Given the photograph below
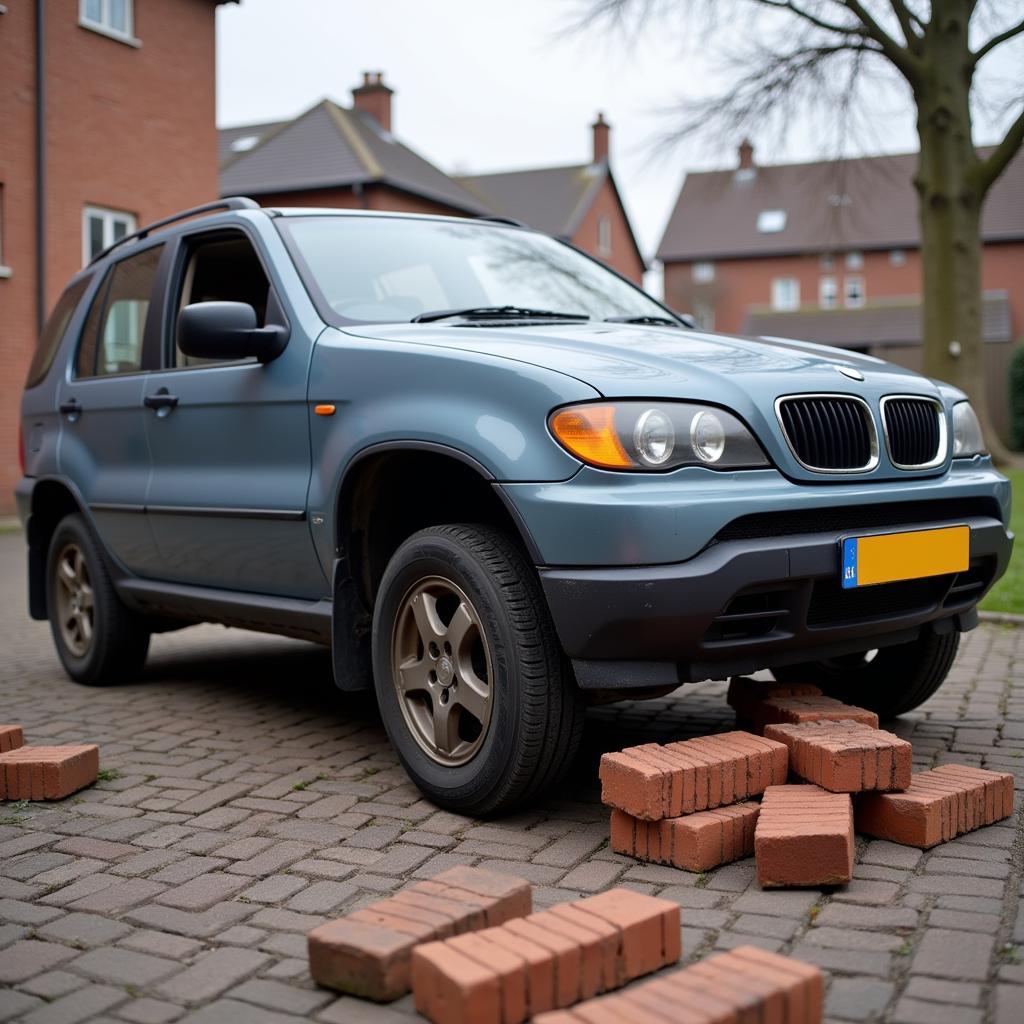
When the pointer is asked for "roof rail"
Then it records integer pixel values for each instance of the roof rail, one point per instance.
(501, 220)
(231, 203)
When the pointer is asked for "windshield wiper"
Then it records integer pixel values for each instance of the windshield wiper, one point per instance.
(663, 321)
(496, 313)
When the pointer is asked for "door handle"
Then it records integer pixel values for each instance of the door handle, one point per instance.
(161, 400)
(70, 407)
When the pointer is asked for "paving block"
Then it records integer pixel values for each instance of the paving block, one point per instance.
(939, 805)
(693, 842)
(544, 961)
(368, 952)
(804, 837)
(47, 773)
(798, 708)
(746, 984)
(845, 756)
(655, 781)
(11, 737)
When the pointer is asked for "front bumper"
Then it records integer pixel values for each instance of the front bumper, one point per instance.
(745, 604)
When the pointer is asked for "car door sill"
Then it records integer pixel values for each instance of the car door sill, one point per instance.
(267, 613)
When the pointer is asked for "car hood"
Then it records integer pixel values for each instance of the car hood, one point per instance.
(626, 360)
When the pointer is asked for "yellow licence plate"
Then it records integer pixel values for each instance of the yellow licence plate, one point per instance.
(890, 557)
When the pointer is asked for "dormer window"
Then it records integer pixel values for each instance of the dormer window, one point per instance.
(244, 143)
(770, 222)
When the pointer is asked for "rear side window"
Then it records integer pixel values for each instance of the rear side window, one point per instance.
(54, 331)
(114, 330)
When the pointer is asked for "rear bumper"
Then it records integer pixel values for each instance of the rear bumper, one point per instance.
(746, 604)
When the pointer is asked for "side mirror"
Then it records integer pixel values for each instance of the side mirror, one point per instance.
(227, 331)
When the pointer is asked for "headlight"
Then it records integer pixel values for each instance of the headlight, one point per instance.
(653, 436)
(967, 439)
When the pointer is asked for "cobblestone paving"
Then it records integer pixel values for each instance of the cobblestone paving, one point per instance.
(244, 801)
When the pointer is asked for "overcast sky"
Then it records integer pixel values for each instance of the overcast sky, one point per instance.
(482, 85)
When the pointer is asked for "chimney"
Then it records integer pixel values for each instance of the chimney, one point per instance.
(602, 129)
(373, 97)
(746, 151)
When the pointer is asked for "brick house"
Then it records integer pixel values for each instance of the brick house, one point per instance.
(830, 252)
(349, 157)
(96, 139)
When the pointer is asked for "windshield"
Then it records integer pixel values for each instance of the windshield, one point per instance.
(391, 269)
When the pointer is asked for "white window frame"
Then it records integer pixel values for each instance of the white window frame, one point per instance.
(897, 257)
(828, 292)
(604, 235)
(703, 272)
(771, 222)
(109, 218)
(104, 26)
(828, 261)
(785, 293)
(854, 301)
(854, 260)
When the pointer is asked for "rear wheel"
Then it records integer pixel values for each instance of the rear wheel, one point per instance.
(472, 684)
(98, 639)
(888, 681)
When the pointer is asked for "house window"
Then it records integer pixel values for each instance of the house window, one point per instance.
(604, 236)
(854, 260)
(5, 271)
(828, 261)
(244, 144)
(770, 222)
(897, 257)
(111, 17)
(101, 228)
(853, 292)
(785, 293)
(828, 293)
(703, 272)
(704, 315)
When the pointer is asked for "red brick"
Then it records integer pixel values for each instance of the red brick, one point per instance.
(654, 781)
(804, 837)
(369, 952)
(47, 773)
(939, 805)
(694, 842)
(744, 986)
(744, 692)
(846, 756)
(546, 961)
(810, 708)
(11, 737)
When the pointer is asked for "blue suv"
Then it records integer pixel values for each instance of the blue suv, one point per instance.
(495, 477)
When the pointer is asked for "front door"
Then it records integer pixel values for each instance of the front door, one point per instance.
(230, 441)
(103, 448)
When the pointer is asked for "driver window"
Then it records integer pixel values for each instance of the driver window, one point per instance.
(222, 268)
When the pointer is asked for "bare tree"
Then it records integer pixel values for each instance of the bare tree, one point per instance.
(802, 56)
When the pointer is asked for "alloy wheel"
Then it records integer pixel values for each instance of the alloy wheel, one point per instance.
(74, 599)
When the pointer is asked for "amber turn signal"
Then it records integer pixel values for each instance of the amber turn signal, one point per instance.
(324, 410)
(588, 431)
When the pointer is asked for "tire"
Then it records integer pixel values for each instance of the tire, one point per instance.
(471, 588)
(896, 680)
(100, 642)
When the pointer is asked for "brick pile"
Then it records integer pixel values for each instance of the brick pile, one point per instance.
(43, 773)
(745, 984)
(821, 769)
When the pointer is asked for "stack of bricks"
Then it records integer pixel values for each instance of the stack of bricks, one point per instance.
(758, 705)
(43, 773)
(745, 984)
(688, 803)
(545, 961)
(368, 953)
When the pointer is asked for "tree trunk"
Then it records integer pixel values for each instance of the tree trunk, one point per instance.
(949, 209)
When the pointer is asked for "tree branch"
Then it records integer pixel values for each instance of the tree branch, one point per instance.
(1013, 30)
(905, 18)
(988, 170)
(811, 18)
(904, 61)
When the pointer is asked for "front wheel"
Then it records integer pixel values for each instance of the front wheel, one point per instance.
(889, 681)
(98, 639)
(473, 687)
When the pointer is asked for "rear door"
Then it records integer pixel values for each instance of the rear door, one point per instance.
(230, 441)
(103, 448)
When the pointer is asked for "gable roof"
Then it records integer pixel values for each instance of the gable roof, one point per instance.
(331, 146)
(861, 203)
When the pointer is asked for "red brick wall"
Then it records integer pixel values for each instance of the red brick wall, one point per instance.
(741, 284)
(130, 128)
(373, 197)
(623, 256)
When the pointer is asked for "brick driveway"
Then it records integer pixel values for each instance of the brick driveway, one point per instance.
(250, 800)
